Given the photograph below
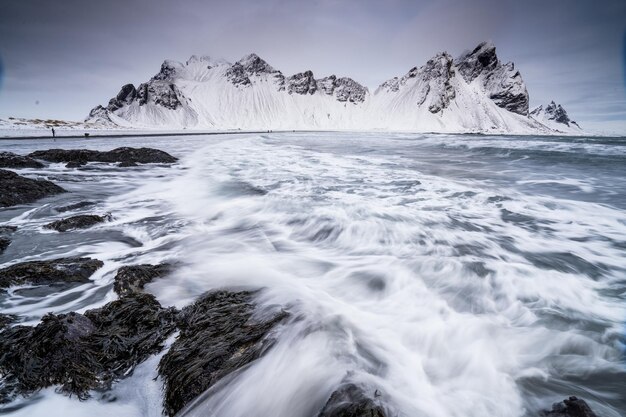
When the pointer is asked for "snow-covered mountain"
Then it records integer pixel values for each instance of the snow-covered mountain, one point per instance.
(472, 93)
(554, 116)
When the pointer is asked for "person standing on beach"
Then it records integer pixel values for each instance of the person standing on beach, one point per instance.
(53, 133)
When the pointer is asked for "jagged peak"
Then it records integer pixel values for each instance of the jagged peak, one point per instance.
(254, 64)
(207, 59)
(482, 58)
(168, 70)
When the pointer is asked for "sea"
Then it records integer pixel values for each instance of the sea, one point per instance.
(457, 275)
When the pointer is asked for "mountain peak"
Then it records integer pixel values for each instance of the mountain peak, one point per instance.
(254, 64)
(553, 112)
(480, 59)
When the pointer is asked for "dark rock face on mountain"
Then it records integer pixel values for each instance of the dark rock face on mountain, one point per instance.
(501, 82)
(432, 82)
(122, 155)
(63, 270)
(82, 221)
(554, 112)
(131, 279)
(11, 160)
(571, 407)
(127, 94)
(237, 75)
(82, 352)
(15, 189)
(350, 400)
(252, 65)
(160, 90)
(301, 83)
(217, 337)
(159, 93)
(346, 89)
(437, 73)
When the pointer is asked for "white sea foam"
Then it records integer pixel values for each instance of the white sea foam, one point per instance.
(453, 292)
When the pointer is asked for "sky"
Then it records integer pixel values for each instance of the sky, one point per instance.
(59, 59)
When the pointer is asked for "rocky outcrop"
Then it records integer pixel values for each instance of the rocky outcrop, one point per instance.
(74, 206)
(217, 336)
(344, 89)
(5, 240)
(15, 189)
(131, 279)
(63, 270)
(6, 320)
(431, 83)
(501, 82)
(80, 352)
(553, 112)
(159, 93)
(571, 407)
(252, 65)
(350, 400)
(82, 221)
(121, 155)
(11, 160)
(301, 83)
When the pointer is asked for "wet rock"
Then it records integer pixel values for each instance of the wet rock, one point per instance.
(127, 164)
(5, 233)
(82, 221)
(80, 352)
(11, 160)
(6, 320)
(63, 270)
(217, 337)
(75, 206)
(350, 400)
(75, 164)
(571, 407)
(4, 243)
(78, 157)
(15, 189)
(132, 279)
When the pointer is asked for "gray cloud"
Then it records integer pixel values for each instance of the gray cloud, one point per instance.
(73, 54)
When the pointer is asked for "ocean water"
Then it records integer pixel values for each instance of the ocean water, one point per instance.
(459, 275)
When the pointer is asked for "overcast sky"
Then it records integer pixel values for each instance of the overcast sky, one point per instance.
(61, 58)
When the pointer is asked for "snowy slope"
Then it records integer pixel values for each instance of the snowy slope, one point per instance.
(472, 93)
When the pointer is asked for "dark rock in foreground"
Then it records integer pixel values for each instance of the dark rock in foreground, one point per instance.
(82, 352)
(82, 221)
(125, 155)
(351, 401)
(75, 206)
(63, 270)
(15, 189)
(132, 279)
(5, 232)
(6, 320)
(217, 337)
(571, 407)
(11, 160)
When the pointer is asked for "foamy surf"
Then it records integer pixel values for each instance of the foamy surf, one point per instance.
(455, 276)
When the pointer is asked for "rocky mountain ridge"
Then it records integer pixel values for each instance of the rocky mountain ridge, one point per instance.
(474, 92)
